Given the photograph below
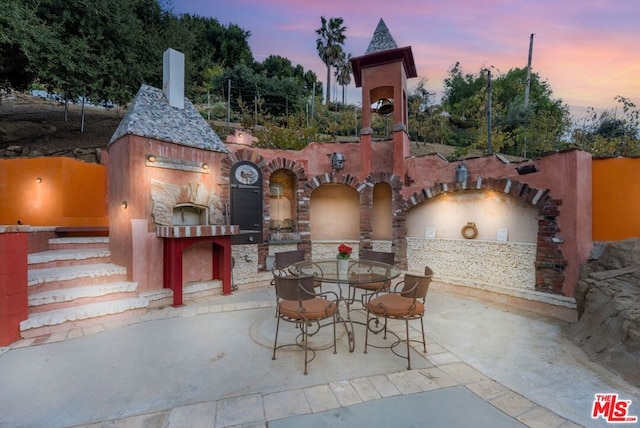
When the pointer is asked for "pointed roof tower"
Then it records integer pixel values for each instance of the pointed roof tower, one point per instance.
(383, 49)
(382, 39)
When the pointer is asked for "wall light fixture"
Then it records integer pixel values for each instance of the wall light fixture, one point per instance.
(337, 160)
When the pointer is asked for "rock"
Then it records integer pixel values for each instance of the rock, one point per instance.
(608, 300)
(13, 151)
(87, 155)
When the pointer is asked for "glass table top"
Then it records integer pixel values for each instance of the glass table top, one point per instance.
(350, 271)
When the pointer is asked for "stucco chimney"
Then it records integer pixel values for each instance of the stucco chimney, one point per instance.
(173, 77)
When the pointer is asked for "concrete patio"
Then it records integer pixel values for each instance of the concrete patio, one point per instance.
(209, 364)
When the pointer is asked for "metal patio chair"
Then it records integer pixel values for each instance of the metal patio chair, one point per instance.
(406, 302)
(378, 256)
(299, 304)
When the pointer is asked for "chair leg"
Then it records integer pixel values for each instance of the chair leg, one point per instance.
(305, 341)
(275, 342)
(366, 332)
(406, 323)
(424, 340)
(335, 321)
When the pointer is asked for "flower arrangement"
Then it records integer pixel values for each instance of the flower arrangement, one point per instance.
(344, 251)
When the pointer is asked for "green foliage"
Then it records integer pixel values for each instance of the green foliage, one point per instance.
(517, 128)
(608, 134)
(292, 134)
(279, 94)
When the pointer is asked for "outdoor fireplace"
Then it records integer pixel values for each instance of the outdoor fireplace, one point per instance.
(190, 215)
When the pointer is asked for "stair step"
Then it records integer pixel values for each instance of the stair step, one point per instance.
(84, 312)
(70, 294)
(69, 276)
(68, 256)
(79, 242)
(190, 291)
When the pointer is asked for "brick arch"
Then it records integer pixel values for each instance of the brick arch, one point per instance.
(333, 178)
(399, 228)
(550, 262)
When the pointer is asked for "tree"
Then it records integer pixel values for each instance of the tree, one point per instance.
(608, 133)
(516, 129)
(343, 72)
(22, 34)
(329, 45)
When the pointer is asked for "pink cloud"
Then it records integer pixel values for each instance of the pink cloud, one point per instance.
(588, 50)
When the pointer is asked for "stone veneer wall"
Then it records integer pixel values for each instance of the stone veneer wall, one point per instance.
(506, 268)
(501, 264)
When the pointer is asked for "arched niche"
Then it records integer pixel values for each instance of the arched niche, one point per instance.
(382, 216)
(335, 213)
(282, 201)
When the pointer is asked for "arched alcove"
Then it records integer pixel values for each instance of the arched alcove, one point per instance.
(335, 213)
(382, 216)
(544, 253)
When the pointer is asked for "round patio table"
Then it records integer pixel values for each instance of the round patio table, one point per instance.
(349, 272)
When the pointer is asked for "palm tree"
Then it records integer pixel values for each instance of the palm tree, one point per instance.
(329, 45)
(343, 72)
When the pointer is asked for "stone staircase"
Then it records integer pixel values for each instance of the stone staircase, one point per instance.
(75, 285)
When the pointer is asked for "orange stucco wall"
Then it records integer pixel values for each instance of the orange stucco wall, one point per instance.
(616, 200)
(52, 191)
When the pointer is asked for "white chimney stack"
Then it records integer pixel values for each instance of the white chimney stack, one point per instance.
(173, 77)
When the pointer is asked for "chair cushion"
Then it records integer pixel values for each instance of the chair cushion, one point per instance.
(372, 286)
(312, 309)
(394, 305)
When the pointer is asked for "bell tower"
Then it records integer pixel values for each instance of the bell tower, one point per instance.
(382, 72)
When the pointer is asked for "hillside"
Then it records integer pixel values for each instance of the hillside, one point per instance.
(38, 126)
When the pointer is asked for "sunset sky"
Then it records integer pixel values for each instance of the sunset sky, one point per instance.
(588, 50)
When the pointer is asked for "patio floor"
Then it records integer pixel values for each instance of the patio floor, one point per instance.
(209, 364)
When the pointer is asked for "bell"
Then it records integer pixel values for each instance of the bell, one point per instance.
(386, 107)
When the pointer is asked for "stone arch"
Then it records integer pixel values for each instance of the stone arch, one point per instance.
(399, 227)
(550, 262)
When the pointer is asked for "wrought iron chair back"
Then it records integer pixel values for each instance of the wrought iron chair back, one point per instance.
(298, 303)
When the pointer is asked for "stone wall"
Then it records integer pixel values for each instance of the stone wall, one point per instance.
(506, 268)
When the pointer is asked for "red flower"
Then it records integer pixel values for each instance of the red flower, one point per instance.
(344, 251)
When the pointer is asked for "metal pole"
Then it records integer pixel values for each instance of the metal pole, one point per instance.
(228, 103)
(489, 147)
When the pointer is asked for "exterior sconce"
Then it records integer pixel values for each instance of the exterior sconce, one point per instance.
(205, 166)
(462, 173)
(39, 180)
(124, 205)
(151, 158)
(337, 161)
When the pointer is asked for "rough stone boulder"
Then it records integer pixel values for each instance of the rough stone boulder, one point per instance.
(608, 300)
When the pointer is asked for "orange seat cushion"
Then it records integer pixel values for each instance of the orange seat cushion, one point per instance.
(312, 309)
(372, 286)
(394, 305)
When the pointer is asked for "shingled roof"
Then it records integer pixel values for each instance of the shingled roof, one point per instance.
(382, 39)
(151, 116)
